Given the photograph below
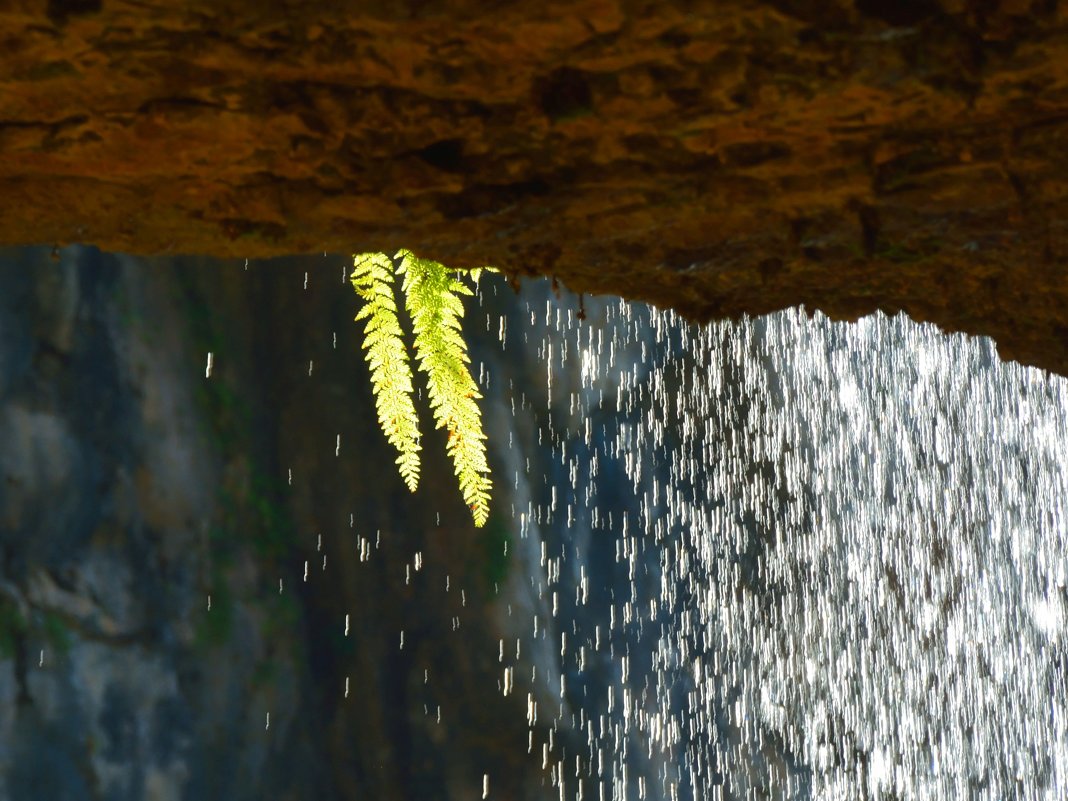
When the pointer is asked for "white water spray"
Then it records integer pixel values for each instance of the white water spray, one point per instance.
(840, 559)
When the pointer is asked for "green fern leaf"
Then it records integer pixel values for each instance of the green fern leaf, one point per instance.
(432, 293)
(387, 358)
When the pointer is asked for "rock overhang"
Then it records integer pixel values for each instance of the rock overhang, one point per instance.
(718, 158)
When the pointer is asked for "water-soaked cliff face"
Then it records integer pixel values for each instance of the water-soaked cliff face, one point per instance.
(217, 587)
(719, 157)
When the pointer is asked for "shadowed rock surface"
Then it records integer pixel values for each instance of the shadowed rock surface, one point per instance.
(720, 158)
(182, 556)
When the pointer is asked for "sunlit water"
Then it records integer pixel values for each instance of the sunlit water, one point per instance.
(837, 557)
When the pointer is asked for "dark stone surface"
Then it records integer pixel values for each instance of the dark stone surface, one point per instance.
(132, 489)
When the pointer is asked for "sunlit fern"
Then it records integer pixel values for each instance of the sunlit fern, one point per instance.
(433, 296)
(391, 372)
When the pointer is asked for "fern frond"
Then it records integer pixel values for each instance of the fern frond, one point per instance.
(476, 272)
(387, 357)
(432, 293)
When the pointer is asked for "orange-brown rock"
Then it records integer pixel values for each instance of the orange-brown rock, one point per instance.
(716, 157)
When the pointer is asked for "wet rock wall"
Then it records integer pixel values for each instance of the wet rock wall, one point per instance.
(205, 582)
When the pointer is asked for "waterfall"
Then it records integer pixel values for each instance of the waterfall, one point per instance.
(797, 558)
(772, 559)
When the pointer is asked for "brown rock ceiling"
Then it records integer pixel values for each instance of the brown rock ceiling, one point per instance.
(716, 157)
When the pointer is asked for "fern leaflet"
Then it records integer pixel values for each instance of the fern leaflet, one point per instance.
(387, 357)
(432, 292)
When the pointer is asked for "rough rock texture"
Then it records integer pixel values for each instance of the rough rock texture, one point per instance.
(717, 157)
